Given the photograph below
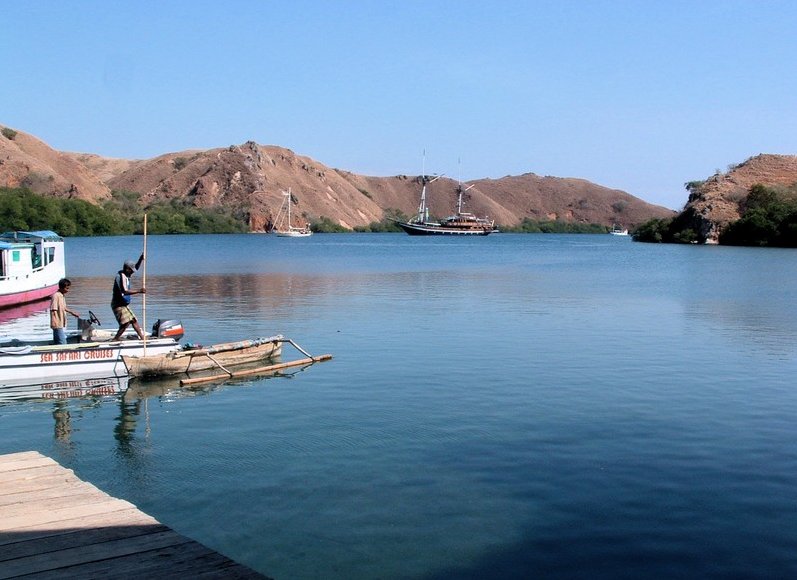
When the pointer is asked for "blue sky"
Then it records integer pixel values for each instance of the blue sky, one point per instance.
(636, 95)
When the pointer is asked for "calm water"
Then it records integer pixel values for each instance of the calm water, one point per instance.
(510, 406)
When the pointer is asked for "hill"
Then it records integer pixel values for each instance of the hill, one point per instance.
(250, 178)
(25, 161)
(721, 199)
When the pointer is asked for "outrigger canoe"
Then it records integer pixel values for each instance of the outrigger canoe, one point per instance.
(190, 359)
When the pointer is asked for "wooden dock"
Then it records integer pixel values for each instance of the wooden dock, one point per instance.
(54, 525)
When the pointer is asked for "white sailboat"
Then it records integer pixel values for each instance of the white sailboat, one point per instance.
(283, 226)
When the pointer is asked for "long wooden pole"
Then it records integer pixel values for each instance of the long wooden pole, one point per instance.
(144, 285)
(257, 371)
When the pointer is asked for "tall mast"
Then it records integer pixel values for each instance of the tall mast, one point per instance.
(288, 200)
(423, 211)
(460, 189)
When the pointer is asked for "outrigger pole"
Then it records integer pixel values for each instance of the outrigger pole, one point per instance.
(260, 370)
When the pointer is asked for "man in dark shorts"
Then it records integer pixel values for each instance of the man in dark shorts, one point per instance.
(120, 303)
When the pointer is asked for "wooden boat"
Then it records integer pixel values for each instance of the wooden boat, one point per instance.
(31, 263)
(459, 224)
(189, 359)
(283, 226)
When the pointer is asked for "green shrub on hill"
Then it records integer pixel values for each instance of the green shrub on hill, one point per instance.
(770, 219)
(324, 225)
(386, 224)
(21, 209)
(529, 226)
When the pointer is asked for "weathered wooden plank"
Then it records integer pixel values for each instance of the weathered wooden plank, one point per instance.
(44, 544)
(90, 553)
(53, 525)
(19, 484)
(33, 473)
(69, 512)
(178, 561)
(12, 461)
(188, 560)
(21, 495)
(53, 504)
(130, 517)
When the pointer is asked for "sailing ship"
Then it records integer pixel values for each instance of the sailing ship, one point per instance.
(283, 226)
(459, 224)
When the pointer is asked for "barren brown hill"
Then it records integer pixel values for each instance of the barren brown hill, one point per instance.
(717, 201)
(250, 179)
(541, 198)
(28, 162)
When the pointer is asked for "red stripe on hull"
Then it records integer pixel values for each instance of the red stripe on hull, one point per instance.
(9, 300)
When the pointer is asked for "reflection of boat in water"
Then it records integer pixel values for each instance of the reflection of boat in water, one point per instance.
(283, 226)
(66, 389)
(23, 310)
(31, 263)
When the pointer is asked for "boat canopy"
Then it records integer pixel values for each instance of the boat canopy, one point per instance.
(20, 236)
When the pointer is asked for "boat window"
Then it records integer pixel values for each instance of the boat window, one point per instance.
(15, 256)
(36, 259)
(50, 255)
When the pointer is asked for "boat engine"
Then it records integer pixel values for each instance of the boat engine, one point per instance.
(168, 329)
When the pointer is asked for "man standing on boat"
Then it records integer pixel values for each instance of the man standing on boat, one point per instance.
(58, 311)
(120, 303)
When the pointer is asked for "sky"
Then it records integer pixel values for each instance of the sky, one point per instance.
(641, 96)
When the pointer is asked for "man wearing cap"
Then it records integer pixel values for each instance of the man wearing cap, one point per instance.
(120, 303)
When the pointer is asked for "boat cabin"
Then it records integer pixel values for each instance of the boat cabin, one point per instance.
(31, 263)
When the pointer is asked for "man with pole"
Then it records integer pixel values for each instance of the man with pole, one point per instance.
(120, 302)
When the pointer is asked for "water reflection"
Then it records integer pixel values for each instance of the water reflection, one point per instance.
(23, 311)
(69, 399)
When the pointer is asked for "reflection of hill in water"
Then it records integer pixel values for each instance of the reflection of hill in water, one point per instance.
(253, 290)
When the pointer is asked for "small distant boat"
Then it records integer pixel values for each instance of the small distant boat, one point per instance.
(459, 224)
(618, 231)
(283, 226)
(31, 263)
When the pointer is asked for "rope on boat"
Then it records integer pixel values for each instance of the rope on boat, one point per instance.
(296, 346)
(221, 366)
